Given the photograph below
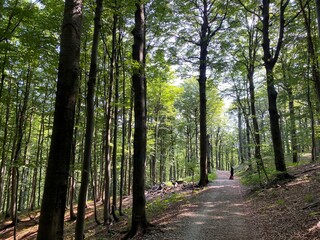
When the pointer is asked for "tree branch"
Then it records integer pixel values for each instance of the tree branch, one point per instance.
(248, 10)
(297, 14)
(281, 29)
(211, 34)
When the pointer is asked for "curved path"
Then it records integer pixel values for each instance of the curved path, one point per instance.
(218, 213)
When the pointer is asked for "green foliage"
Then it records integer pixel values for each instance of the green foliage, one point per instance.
(212, 176)
(159, 205)
(280, 202)
(309, 198)
(250, 179)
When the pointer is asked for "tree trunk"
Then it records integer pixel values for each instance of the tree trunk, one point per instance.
(274, 123)
(72, 182)
(240, 137)
(313, 60)
(312, 121)
(115, 141)
(37, 163)
(293, 129)
(56, 181)
(107, 217)
(253, 43)
(21, 118)
(209, 153)
(139, 220)
(129, 141)
(153, 165)
(318, 15)
(248, 148)
(269, 62)
(124, 132)
(204, 42)
(86, 165)
(217, 148)
(4, 149)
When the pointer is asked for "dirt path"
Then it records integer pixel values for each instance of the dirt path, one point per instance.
(218, 213)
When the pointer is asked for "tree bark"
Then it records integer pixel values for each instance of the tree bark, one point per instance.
(311, 50)
(293, 128)
(56, 181)
(204, 42)
(72, 182)
(313, 60)
(4, 149)
(240, 136)
(269, 62)
(318, 15)
(124, 132)
(130, 141)
(86, 165)
(21, 119)
(139, 220)
(107, 216)
(37, 163)
(115, 141)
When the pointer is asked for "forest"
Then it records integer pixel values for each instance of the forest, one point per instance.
(104, 99)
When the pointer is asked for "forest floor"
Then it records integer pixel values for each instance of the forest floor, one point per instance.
(223, 210)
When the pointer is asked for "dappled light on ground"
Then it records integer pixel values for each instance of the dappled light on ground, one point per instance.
(217, 213)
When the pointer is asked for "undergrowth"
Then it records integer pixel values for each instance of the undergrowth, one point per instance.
(253, 179)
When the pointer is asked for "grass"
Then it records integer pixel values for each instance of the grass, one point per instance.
(252, 178)
(159, 205)
(196, 178)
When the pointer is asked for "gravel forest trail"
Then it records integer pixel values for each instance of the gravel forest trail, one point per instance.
(217, 213)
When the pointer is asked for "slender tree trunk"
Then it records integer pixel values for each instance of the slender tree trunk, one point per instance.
(248, 140)
(85, 177)
(209, 154)
(216, 148)
(37, 163)
(139, 220)
(293, 129)
(155, 155)
(21, 119)
(313, 59)
(115, 142)
(72, 182)
(56, 182)
(312, 121)
(240, 137)
(253, 40)
(3, 75)
(196, 134)
(124, 132)
(107, 217)
(24, 180)
(4, 152)
(130, 141)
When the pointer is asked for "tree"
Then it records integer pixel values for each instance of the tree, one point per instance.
(206, 18)
(139, 220)
(90, 124)
(112, 76)
(270, 59)
(54, 195)
(318, 14)
(314, 62)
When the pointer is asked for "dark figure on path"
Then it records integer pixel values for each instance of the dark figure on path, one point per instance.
(231, 174)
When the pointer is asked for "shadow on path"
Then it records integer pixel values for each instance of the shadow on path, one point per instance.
(218, 213)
